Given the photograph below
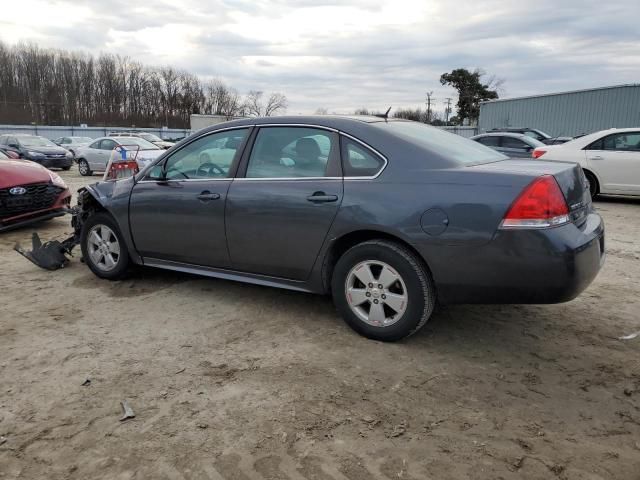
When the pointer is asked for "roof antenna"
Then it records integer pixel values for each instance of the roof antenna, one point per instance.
(384, 115)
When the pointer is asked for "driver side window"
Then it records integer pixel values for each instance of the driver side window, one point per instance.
(210, 156)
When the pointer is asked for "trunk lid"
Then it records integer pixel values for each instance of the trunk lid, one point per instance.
(569, 176)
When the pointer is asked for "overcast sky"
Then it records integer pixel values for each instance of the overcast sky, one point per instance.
(341, 55)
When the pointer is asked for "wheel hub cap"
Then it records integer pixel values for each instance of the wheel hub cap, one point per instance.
(103, 247)
(376, 293)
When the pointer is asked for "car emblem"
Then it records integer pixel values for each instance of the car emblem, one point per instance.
(18, 191)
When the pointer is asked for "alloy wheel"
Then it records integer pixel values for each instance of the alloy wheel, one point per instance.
(376, 293)
(103, 247)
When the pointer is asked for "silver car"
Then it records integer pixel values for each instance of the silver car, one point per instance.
(73, 144)
(95, 157)
(513, 145)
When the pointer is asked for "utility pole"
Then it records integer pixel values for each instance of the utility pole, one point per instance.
(447, 110)
(429, 94)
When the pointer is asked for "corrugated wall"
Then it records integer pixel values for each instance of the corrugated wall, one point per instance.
(569, 113)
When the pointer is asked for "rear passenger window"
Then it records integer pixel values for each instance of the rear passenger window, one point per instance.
(359, 161)
(291, 152)
(489, 141)
(510, 142)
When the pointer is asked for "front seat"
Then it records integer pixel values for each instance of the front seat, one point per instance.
(308, 158)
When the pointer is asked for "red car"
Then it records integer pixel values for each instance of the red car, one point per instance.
(29, 193)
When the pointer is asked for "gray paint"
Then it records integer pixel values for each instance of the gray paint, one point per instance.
(275, 237)
(568, 113)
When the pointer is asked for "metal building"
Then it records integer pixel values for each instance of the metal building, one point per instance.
(566, 113)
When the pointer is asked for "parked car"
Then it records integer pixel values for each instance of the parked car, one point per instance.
(29, 193)
(513, 145)
(534, 133)
(95, 157)
(38, 149)
(389, 216)
(149, 137)
(73, 143)
(610, 159)
(9, 153)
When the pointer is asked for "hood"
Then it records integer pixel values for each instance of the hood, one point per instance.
(46, 150)
(149, 154)
(22, 172)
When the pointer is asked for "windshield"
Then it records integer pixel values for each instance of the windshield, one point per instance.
(150, 137)
(36, 142)
(141, 142)
(449, 145)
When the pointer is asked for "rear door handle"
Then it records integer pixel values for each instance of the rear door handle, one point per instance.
(597, 157)
(321, 197)
(206, 196)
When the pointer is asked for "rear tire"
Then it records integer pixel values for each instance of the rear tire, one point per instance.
(103, 247)
(396, 302)
(83, 168)
(594, 186)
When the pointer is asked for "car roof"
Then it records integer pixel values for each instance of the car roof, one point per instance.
(502, 134)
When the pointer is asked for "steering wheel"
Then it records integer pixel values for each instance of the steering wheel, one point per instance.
(206, 169)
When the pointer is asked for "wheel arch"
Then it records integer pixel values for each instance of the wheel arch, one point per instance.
(343, 243)
(589, 171)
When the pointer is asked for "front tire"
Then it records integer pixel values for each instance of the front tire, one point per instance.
(83, 168)
(103, 247)
(383, 290)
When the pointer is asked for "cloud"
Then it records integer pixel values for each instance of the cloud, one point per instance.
(342, 55)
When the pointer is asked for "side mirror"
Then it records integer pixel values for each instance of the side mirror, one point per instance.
(156, 173)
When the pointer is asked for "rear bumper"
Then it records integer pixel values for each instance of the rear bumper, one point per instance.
(524, 266)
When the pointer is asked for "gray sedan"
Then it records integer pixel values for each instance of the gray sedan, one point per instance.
(389, 217)
(514, 145)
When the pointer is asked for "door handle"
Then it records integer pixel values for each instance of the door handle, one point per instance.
(206, 196)
(321, 197)
(597, 157)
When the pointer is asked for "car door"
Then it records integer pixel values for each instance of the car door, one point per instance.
(95, 156)
(615, 159)
(285, 198)
(176, 212)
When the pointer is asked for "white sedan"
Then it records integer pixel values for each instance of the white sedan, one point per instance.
(95, 157)
(610, 159)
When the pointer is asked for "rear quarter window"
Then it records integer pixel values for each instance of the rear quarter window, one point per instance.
(449, 145)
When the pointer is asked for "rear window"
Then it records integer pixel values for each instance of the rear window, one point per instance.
(449, 145)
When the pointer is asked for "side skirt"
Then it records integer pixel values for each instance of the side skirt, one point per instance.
(244, 277)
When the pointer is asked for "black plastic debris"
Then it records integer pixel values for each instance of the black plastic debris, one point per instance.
(50, 255)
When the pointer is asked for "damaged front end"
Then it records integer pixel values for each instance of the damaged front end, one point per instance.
(54, 254)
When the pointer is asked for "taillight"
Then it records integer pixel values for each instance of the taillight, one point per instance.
(540, 205)
(537, 153)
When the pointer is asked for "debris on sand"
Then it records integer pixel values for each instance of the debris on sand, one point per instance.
(3, 440)
(86, 383)
(631, 336)
(127, 411)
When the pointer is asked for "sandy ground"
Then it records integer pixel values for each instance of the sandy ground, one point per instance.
(230, 381)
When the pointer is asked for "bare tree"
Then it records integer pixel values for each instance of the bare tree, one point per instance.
(321, 111)
(255, 107)
(276, 103)
(60, 87)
